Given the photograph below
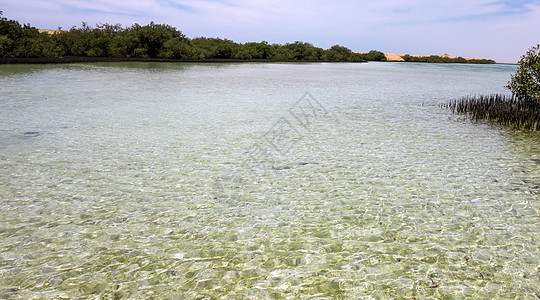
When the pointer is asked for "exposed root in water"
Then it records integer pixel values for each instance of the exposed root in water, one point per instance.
(502, 109)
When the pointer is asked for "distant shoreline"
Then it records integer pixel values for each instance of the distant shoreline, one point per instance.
(81, 59)
(399, 57)
(25, 44)
(394, 57)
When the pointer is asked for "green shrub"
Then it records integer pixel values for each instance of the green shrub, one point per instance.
(375, 55)
(525, 83)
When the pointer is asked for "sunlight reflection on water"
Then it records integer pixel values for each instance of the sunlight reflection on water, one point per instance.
(165, 180)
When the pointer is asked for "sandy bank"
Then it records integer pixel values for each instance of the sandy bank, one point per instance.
(398, 57)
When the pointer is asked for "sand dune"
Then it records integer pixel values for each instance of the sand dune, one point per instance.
(398, 57)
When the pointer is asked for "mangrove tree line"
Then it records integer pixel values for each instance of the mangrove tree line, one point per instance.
(445, 59)
(154, 41)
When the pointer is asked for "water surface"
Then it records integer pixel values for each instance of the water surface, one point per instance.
(161, 180)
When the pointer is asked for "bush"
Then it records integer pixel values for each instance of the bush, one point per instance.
(525, 84)
(337, 52)
(375, 55)
(260, 50)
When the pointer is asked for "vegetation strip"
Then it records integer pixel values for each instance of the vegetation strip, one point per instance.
(82, 59)
(445, 59)
(160, 42)
(152, 41)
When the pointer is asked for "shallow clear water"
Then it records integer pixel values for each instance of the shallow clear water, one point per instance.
(137, 180)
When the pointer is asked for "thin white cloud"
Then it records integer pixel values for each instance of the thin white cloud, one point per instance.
(112, 7)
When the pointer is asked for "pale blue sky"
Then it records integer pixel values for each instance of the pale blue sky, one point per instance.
(501, 30)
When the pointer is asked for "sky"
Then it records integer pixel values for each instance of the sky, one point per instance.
(502, 30)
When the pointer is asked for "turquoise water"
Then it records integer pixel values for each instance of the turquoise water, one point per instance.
(262, 181)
